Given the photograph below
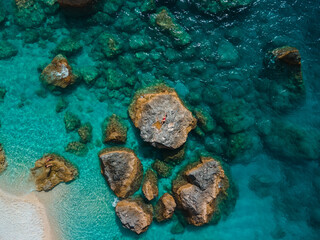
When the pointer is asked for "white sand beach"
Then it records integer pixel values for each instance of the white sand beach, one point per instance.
(23, 218)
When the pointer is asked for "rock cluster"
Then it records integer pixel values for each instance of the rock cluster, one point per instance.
(52, 169)
(161, 116)
(165, 207)
(122, 170)
(3, 162)
(199, 188)
(58, 73)
(134, 214)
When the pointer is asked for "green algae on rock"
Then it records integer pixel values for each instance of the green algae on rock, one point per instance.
(114, 130)
(163, 169)
(89, 74)
(71, 121)
(52, 169)
(7, 50)
(134, 214)
(85, 132)
(122, 170)
(216, 6)
(161, 116)
(166, 22)
(150, 185)
(68, 46)
(228, 55)
(205, 121)
(110, 45)
(3, 162)
(77, 148)
(165, 207)
(199, 189)
(58, 74)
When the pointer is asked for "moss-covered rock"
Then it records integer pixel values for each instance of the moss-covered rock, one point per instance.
(114, 130)
(205, 121)
(238, 143)
(85, 132)
(112, 6)
(166, 22)
(89, 74)
(77, 148)
(110, 45)
(71, 121)
(62, 104)
(7, 50)
(163, 169)
(174, 157)
(148, 6)
(228, 55)
(68, 46)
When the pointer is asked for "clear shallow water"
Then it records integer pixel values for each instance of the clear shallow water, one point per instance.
(286, 204)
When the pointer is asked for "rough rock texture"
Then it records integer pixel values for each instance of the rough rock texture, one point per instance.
(85, 133)
(52, 169)
(148, 109)
(58, 73)
(122, 169)
(289, 55)
(150, 185)
(115, 130)
(71, 121)
(135, 215)
(3, 162)
(77, 148)
(199, 188)
(165, 207)
(163, 169)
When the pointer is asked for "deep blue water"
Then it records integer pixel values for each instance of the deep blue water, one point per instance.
(277, 183)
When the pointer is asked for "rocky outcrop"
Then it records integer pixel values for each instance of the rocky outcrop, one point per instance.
(166, 22)
(150, 185)
(52, 169)
(199, 189)
(115, 130)
(58, 73)
(134, 215)
(161, 116)
(287, 54)
(3, 162)
(122, 170)
(165, 207)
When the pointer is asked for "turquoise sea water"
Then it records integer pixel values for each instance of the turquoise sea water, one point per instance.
(277, 179)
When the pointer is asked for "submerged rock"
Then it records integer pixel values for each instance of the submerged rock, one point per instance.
(134, 214)
(7, 50)
(3, 92)
(161, 116)
(77, 7)
(61, 105)
(110, 45)
(71, 121)
(165, 207)
(216, 6)
(163, 169)
(287, 54)
(150, 185)
(85, 133)
(228, 55)
(199, 190)
(3, 162)
(122, 169)
(52, 169)
(68, 47)
(115, 130)
(165, 20)
(77, 148)
(205, 121)
(58, 73)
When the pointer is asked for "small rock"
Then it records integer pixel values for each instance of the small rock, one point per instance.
(77, 148)
(165, 207)
(115, 130)
(110, 45)
(122, 170)
(52, 169)
(85, 133)
(58, 73)
(71, 121)
(7, 50)
(161, 116)
(134, 215)
(287, 54)
(89, 75)
(68, 47)
(150, 185)
(228, 55)
(3, 162)
(163, 170)
(61, 105)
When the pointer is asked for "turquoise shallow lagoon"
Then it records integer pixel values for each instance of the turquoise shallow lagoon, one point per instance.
(276, 174)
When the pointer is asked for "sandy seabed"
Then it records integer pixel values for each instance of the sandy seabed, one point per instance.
(23, 218)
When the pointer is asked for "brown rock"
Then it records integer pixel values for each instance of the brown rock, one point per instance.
(52, 169)
(150, 185)
(115, 130)
(289, 55)
(165, 207)
(199, 190)
(161, 116)
(58, 73)
(122, 170)
(134, 215)
(3, 162)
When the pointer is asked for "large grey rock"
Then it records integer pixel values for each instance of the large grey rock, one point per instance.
(122, 169)
(134, 215)
(149, 108)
